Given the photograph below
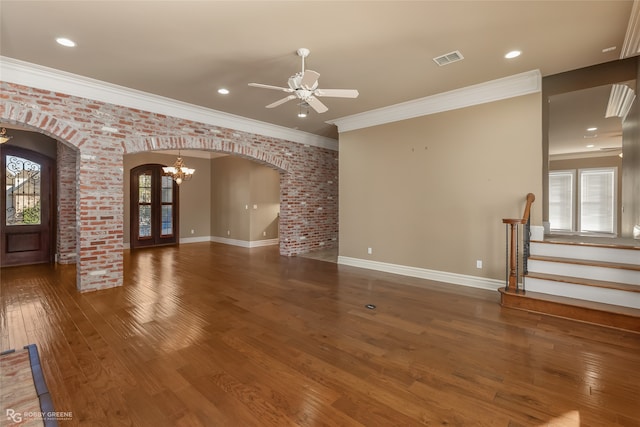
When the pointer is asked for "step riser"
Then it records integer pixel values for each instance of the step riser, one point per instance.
(588, 293)
(626, 321)
(631, 277)
(625, 256)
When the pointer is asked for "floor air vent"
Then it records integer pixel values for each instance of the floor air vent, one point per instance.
(448, 58)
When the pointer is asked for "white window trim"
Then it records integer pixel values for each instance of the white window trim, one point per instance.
(578, 197)
(574, 197)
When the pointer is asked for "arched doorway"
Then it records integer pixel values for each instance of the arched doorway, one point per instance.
(27, 215)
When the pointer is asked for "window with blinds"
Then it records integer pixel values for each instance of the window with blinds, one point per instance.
(598, 200)
(561, 200)
(583, 200)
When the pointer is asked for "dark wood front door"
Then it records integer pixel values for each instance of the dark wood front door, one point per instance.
(27, 215)
(154, 207)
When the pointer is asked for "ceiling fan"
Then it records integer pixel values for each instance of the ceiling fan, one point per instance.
(304, 86)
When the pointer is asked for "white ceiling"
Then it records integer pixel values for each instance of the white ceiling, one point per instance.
(186, 50)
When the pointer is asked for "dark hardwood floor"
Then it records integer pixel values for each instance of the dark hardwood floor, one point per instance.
(213, 335)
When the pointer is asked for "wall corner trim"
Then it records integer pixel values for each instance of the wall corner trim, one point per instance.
(491, 91)
(45, 78)
(423, 273)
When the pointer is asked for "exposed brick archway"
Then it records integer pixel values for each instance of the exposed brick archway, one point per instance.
(216, 144)
(308, 174)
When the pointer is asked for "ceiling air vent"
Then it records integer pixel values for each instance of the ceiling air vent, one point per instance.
(448, 58)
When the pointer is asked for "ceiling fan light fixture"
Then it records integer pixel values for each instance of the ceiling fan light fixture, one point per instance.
(304, 86)
(303, 110)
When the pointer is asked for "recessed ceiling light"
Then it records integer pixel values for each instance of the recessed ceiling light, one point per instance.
(593, 129)
(513, 54)
(223, 91)
(65, 42)
(590, 145)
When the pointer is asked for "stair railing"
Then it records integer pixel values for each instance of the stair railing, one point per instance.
(513, 244)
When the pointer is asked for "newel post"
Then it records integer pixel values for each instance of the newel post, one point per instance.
(513, 234)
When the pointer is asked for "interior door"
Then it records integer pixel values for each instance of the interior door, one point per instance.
(27, 217)
(154, 207)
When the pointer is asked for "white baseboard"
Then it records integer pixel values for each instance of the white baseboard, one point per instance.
(423, 273)
(245, 243)
(195, 239)
(233, 242)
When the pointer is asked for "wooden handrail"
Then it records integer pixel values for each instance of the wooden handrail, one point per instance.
(525, 216)
(527, 209)
(512, 278)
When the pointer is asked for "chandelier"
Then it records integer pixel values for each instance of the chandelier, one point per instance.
(3, 136)
(179, 172)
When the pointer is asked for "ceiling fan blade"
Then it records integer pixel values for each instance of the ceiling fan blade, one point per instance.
(281, 101)
(337, 93)
(317, 105)
(309, 79)
(284, 89)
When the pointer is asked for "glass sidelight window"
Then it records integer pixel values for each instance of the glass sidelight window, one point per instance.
(22, 193)
(144, 205)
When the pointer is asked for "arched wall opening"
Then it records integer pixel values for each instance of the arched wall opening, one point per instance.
(101, 134)
(230, 199)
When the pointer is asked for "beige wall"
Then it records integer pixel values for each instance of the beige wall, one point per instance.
(265, 198)
(195, 195)
(631, 167)
(431, 192)
(245, 200)
(230, 195)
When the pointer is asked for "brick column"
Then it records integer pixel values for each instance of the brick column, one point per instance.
(101, 218)
(67, 244)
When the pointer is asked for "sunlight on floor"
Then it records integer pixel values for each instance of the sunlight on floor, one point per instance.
(570, 419)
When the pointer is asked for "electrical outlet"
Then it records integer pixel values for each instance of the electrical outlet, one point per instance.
(479, 263)
(369, 251)
(228, 233)
(264, 233)
(193, 231)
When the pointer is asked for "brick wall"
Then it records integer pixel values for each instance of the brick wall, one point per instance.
(308, 174)
(67, 241)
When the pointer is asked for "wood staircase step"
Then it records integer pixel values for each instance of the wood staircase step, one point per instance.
(593, 263)
(585, 282)
(570, 308)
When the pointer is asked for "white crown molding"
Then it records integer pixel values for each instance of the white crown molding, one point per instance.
(40, 77)
(423, 273)
(631, 43)
(494, 90)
